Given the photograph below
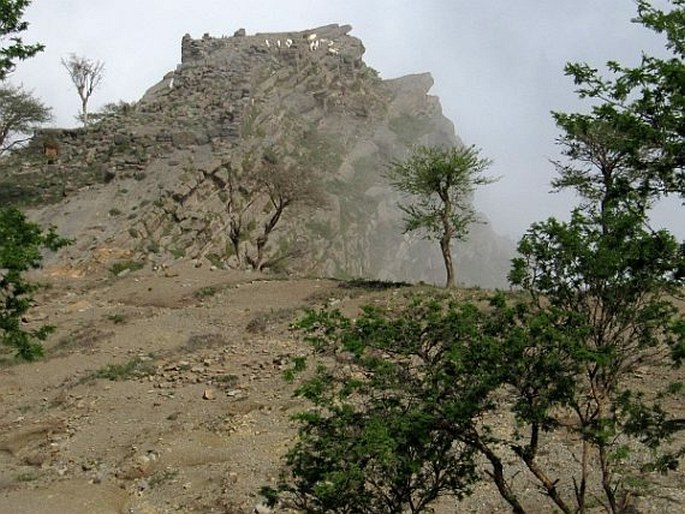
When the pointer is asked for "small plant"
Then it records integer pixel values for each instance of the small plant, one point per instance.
(119, 267)
(114, 212)
(260, 322)
(201, 341)
(27, 476)
(117, 318)
(135, 368)
(153, 247)
(227, 380)
(166, 475)
(177, 253)
(206, 292)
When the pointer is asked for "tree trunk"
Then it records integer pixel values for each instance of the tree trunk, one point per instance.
(84, 111)
(446, 248)
(279, 205)
(497, 474)
(446, 239)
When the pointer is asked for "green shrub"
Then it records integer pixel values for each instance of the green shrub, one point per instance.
(117, 318)
(206, 292)
(116, 268)
(21, 245)
(132, 369)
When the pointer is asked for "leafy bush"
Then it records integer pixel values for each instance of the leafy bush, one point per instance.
(404, 398)
(21, 243)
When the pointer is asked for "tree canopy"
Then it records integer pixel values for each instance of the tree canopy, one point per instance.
(439, 183)
(86, 75)
(20, 112)
(11, 25)
(639, 112)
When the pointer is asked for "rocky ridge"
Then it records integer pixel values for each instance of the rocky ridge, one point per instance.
(168, 176)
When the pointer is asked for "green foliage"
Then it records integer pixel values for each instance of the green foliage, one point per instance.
(21, 244)
(206, 292)
(405, 389)
(131, 369)
(117, 318)
(640, 108)
(13, 48)
(604, 282)
(27, 476)
(116, 268)
(395, 428)
(440, 183)
(179, 253)
(398, 391)
(20, 113)
(605, 277)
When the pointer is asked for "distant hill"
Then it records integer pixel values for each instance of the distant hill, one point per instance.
(189, 171)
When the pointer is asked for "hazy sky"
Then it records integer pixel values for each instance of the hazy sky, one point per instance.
(497, 65)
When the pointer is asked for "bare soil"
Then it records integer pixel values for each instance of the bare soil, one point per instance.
(162, 392)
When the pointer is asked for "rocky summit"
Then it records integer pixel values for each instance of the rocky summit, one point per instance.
(261, 151)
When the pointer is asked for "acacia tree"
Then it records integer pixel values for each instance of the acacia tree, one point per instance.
(440, 183)
(606, 275)
(86, 75)
(285, 184)
(238, 195)
(20, 112)
(11, 25)
(257, 193)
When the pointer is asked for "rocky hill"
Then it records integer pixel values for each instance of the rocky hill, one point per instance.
(265, 149)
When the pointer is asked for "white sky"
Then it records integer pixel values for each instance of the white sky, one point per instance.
(497, 65)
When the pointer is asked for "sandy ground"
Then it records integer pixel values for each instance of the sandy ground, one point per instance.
(198, 420)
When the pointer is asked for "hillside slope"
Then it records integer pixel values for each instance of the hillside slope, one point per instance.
(163, 392)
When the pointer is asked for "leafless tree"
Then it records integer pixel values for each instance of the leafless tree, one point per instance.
(86, 75)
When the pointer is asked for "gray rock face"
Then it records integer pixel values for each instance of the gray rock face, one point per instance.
(182, 163)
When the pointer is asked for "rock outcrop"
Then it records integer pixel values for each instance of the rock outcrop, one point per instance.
(171, 175)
